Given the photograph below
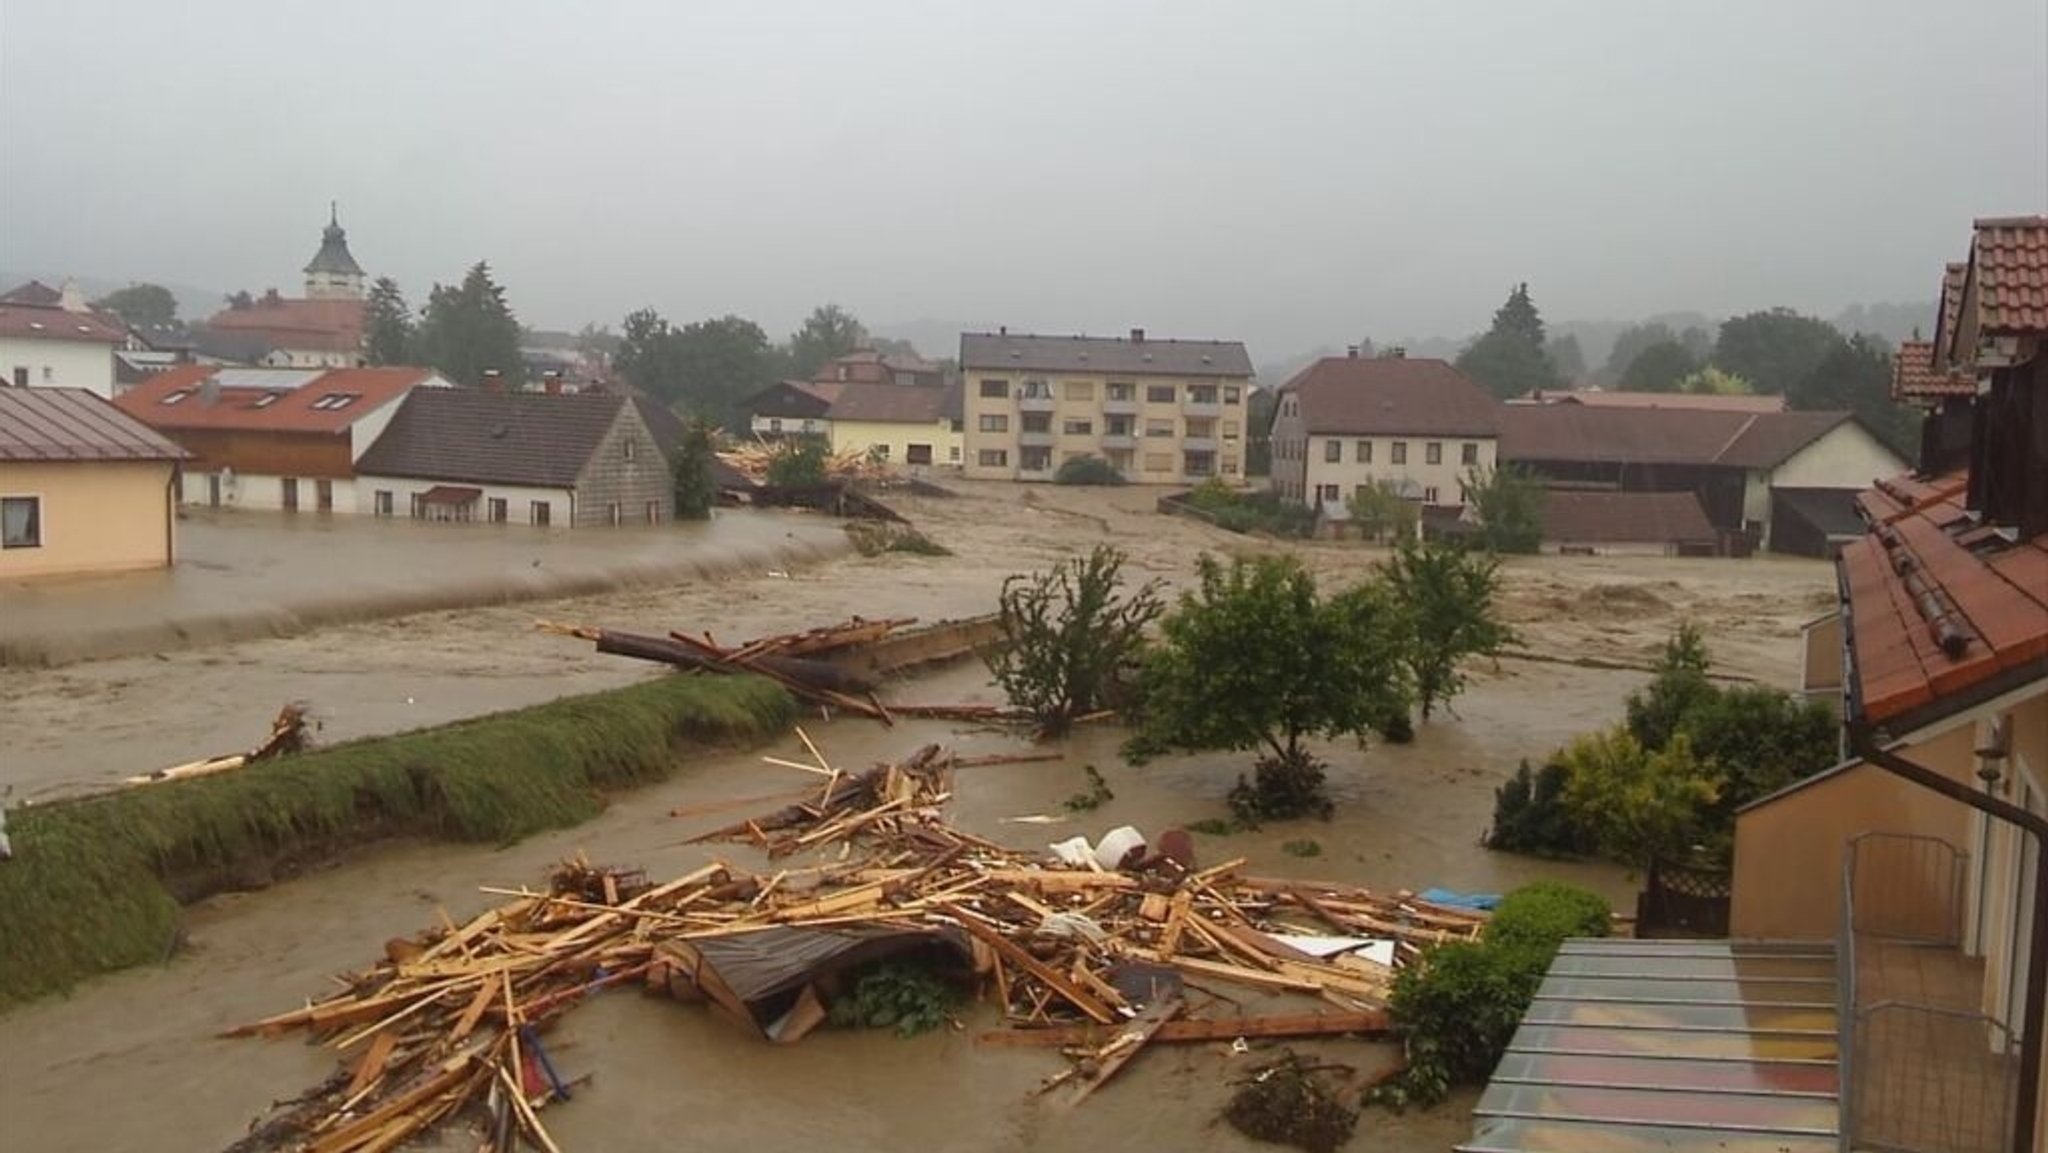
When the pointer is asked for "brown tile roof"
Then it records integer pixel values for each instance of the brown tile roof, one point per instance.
(1938, 607)
(1578, 433)
(794, 398)
(35, 292)
(2009, 264)
(1914, 377)
(1358, 395)
(1107, 355)
(45, 322)
(60, 424)
(889, 403)
(289, 322)
(1572, 517)
(206, 396)
(470, 436)
(1952, 277)
(1602, 398)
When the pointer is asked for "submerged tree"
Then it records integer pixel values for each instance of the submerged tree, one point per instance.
(1255, 658)
(1068, 635)
(1447, 598)
(1380, 511)
(1508, 504)
(696, 491)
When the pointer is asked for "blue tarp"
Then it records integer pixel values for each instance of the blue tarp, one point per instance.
(1459, 900)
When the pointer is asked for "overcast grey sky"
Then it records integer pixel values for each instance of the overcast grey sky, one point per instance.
(1288, 173)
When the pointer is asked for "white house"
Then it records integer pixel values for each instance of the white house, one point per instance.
(53, 338)
(1346, 423)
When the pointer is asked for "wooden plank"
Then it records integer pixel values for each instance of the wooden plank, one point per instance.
(1368, 1022)
(474, 1012)
(1123, 1047)
(371, 1066)
(1228, 972)
(1176, 923)
(1074, 995)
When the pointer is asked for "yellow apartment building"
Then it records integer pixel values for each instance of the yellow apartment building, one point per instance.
(1159, 411)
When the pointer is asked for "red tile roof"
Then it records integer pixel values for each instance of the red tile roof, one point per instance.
(2009, 264)
(300, 400)
(69, 424)
(1621, 398)
(1571, 517)
(287, 322)
(1391, 396)
(1937, 605)
(1914, 377)
(45, 322)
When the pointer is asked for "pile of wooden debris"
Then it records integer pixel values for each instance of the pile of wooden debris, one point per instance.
(1099, 961)
(752, 460)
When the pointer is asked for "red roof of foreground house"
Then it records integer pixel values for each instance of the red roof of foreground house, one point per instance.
(46, 322)
(320, 325)
(2009, 260)
(1938, 604)
(1914, 376)
(205, 396)
(1391, 396)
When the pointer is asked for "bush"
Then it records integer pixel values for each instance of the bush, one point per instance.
(897, 994)
(1638, 805)
(1679, 684)
(798, 463)
(1247, 512)
(1067, 636)
(1508, 505)
(873, 538)
(1286, 1103)
(1284, 786)
(695, 491)
(1460, 1005)
(1759, 740)
(1530, 816)
(1305, 847)
(1088, 470)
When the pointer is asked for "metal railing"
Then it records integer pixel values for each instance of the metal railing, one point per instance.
(1915, 1077)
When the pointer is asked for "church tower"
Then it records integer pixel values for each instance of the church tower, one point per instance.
(333, 274)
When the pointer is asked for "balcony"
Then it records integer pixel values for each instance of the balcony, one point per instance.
(1119, 440)
(1035, 403)
(1198, 443)
(1041, 439)
(1128, 406)
(1199, 409)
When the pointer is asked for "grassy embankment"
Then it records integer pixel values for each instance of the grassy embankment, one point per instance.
(95, 884)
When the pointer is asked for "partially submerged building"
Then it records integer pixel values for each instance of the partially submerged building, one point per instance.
(1346, 423)
(84, 487)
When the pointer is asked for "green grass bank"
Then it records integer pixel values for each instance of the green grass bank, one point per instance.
(96, 884)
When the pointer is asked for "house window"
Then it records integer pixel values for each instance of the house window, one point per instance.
(1202, 429)
(1158, 428)
(879, 451)
(171, 397)
(1429, 495)
(1468, 454)
(1230, 430)
(1119, 390)
(1034, 459)
(612, 514)
(1329, 493)
(1158, 394)
(917, 454)
(994, 458)
(1117, 426)
(1333, 451)
(1078, 428)
(538, 512)
(653, 512)
(953, 454)
(1036, 390)
(1229, 466)
(291, 493)
(266, 400)
(994, 422)
(323, 495)
(495, 509)
(21, 380)
(381, 503)
(1201, 394)
(626, 446)
(1037, 422)
(996, 389)
(774, 424)
(1199, 463)
(1433, 452)
(419, 506)
(1400, 453)
(1232, 394)
(331, 401)
(1364, 451)
(1078, 390)
(21, 522)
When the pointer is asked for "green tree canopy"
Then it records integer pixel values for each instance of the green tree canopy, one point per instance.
(1774, 349)
(1447, 598)
(696, 490)
(1638, 804)
(1509, 359)
(719, 364)
(1380, 511)
(1856, 374)
(1508, 504)
(1567, 358)
(1711, 381)
(468, 330)
(142, 305)
(1659, 368)
(388, 330)
(1256, 658)
(828, 332)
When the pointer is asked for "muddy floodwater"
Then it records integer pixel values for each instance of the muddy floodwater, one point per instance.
(131, 1061)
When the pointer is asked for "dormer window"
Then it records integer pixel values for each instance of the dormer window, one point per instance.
(175, 396)
(266, 400)
(329, 402)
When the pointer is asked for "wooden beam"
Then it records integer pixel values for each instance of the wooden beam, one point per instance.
(1370, 1023)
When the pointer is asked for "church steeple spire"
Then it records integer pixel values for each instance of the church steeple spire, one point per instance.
(333, 272)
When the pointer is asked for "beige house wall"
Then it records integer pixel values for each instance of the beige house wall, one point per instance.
(896, 438)
(1846, 456)
(97, 517)
(1358, 465)
(1788, 850)
(1078, 400)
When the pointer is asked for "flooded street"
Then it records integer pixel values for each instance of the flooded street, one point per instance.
(131, 1061)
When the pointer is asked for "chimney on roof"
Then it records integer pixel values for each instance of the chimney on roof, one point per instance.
(493, 381)
(1137, 336)
(271, 296)
(70, 299)
(1351, 352)
(209, 391)
(551, 383)
(1396, 352)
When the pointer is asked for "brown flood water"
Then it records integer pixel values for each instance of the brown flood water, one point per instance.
(131, 1062)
